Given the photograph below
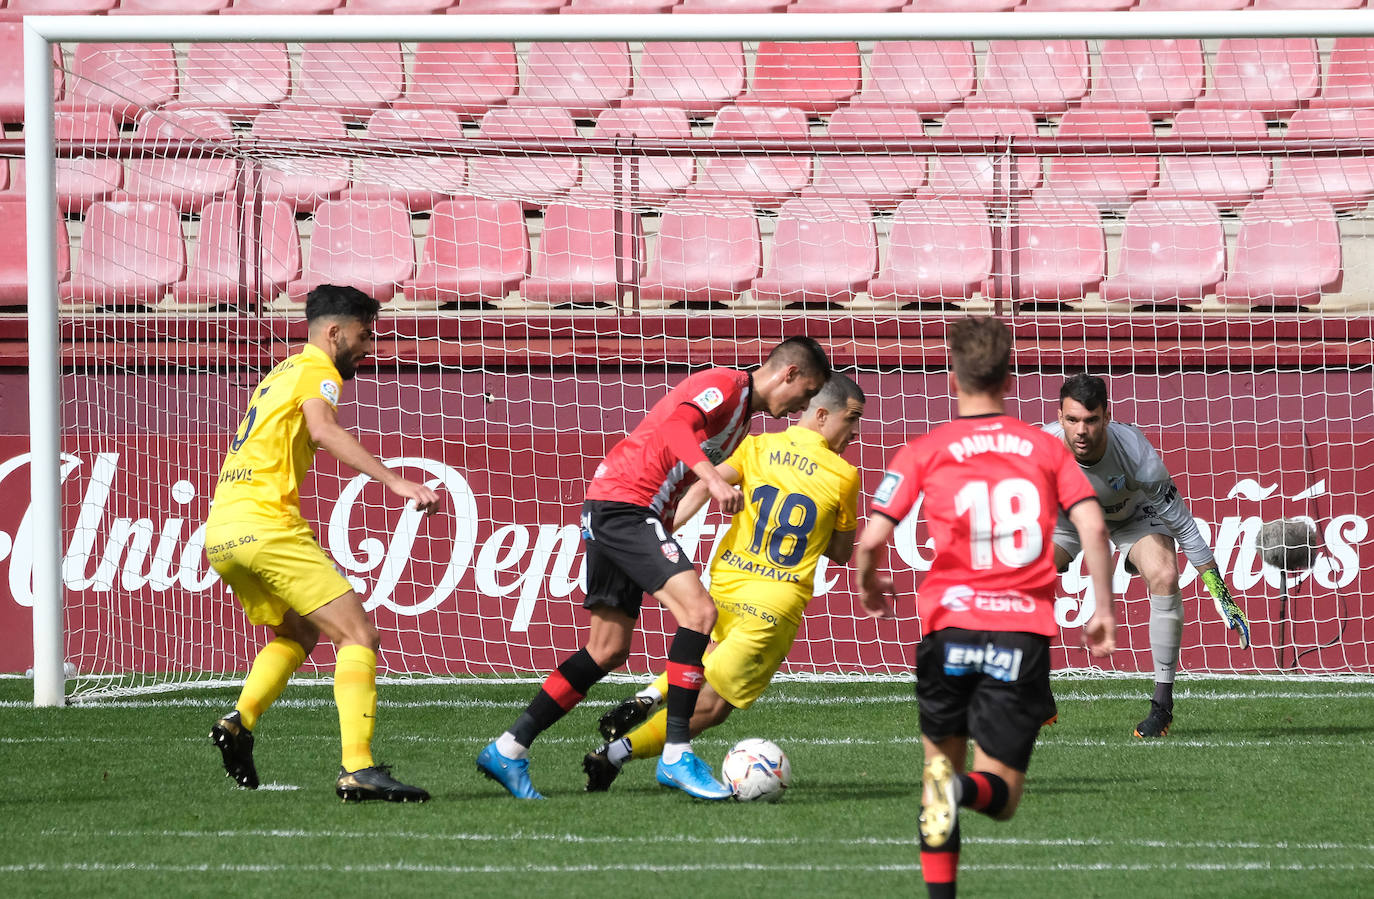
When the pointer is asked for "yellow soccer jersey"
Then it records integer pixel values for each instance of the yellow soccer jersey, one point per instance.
(797, 492)
(271, 452)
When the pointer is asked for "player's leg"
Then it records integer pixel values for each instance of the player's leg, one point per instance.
(356, 641)
(942, 700)
(691, 606)
(1155, 557)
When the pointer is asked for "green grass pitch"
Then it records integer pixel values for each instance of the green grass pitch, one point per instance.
(1263, 789)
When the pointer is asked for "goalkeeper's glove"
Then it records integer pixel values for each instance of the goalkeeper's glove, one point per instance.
(1226, 606)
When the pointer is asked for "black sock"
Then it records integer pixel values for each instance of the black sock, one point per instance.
(984, 792)
(685, 677)
(1164, 694)
(562, 690)
(940, 867)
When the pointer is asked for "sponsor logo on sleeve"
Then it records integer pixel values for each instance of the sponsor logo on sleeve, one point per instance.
(709, 399)
(330, 391)
(888, 488)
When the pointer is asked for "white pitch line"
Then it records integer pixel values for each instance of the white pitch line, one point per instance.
(521, 836)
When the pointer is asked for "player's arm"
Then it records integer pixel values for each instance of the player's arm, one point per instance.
(683, 432)
(336, 440)
(840, 549)
(841, 546)
(1099, 632)
(870, 554)
(697, 494)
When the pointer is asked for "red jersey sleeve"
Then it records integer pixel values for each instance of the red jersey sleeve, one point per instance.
(717, 395)
(901, 484)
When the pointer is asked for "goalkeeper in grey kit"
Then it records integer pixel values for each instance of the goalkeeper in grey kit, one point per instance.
(1146, 517)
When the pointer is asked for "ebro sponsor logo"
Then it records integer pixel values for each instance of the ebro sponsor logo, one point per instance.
(1014, 603)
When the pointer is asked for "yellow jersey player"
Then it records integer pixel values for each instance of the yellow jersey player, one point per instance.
(800, 502)
(266, 553)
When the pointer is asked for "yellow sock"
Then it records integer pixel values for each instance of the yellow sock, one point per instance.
(355, 693)
(661, 684)
(267, 678)
(646, 741)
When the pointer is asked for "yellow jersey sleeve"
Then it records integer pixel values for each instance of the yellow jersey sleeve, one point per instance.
(271, 452)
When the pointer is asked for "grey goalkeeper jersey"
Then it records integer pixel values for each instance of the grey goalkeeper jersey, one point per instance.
(1132, 483)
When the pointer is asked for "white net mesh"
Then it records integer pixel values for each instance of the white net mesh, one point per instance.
(560, 231)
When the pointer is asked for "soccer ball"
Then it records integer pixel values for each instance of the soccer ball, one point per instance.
(756, 769)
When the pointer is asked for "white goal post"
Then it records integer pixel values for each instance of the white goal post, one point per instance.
(46, 400)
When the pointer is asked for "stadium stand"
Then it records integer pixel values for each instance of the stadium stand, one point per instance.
(393, 7)
(582, 258)
(187, 184)
(532, 180)
(960, 5)
(81, 182)
(505, 7)
(280, 7)
(880, 179)
(1227, 182)
(815, 77)
(583, 78)
(939, 253)
(843, 6)
(633, 178)
(824, 252)
(477, 252)
(763, 181)
(1161, 77)
(1111, 182)
(731, 6)
(1059, 254)
(219, 276)
(352, 79)
(1173, 253)
(122, 78)
(168, 7)
(14, 281)
(980, 177)
(608, 7)
(931, 77)
(1287, 253)
(12, 73)
(366, 244)
(1274, 76)
(17, 9)
(709, 252)
(1346, 183)
(302, 181)
(697, 77)
(417, 182)
(1043, 77)
(240, 80)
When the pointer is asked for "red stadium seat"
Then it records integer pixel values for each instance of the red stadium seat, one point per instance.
(1349, 74)
(187, 184)
(960, 5)
(365, 244)
(1173, 252)
(477, 251)
(302, 181)
(131, 253)
(1043, 77)
(815, 77)
(353, 79)
(1287, 253)
(585, 256)
(642, 179)
(982, 177)
(417, 182)
(468, 79)
(16, 183)
(219, 276)
(1275, 76)
(877, 178)
(1307, 4)
(709, 252)
(580, 77)
(1160, 77)
(17, 9)
(82, 181)
(761, 180)
(280, 7)
(168, 7)
(533, 179)
(1226, 181)
(1347, 183)
(124, 79)
(1059, 254)
(239, 79)
(841, 6)
(939, 252)
(393, 7)
(609, 7)
(931, 77)
(506, 7)
(731, 6)
(1108, 181)
(1075, 5)
(12, 73)
(824, 252)
(699, 77)
(1186, 5)
(14, 277)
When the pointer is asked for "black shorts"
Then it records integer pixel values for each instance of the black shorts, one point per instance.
(629, 553)
(993, 686)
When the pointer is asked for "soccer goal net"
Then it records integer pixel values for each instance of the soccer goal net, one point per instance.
(562, 216)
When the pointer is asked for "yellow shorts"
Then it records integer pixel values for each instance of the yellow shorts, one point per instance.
(751, 644)
(272, 569)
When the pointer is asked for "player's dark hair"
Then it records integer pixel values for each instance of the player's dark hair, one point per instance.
(803, 352)
(838, 391)
(980, 349)
(1089, 390)
(335, 301)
